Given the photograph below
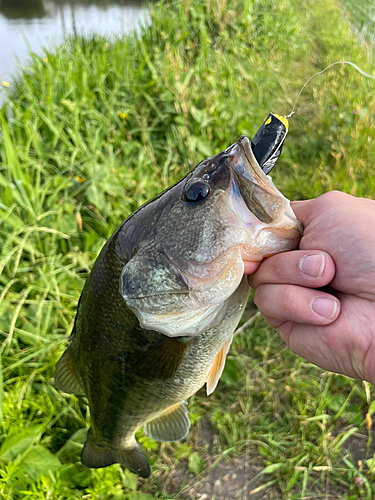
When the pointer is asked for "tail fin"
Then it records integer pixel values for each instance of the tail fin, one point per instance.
(96, 456)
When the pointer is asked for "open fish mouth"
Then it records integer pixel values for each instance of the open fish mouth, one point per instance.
(260, 207)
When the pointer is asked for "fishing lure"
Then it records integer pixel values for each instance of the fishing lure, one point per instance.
(268, 141)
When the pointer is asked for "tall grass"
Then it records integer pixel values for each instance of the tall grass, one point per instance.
(96, 128)
(362, 15)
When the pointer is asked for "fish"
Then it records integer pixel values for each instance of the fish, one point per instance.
(157, 313)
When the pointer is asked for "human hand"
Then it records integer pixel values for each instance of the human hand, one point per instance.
(334, 330)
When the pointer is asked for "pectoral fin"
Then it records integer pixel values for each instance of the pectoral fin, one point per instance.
(65, 378)
(217, 368)
(172, 425)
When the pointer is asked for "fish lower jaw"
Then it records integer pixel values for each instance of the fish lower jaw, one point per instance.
(197, 320)
(269, 241)
(186, 323)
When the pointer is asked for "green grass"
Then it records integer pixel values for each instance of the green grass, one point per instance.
(363, 16)
(96, 128)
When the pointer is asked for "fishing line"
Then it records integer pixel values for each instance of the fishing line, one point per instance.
(367, 75)
(268, 141)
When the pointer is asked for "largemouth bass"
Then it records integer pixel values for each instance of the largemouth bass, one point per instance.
(157, 314)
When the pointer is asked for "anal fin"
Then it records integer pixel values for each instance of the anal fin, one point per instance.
(96, 456)
(172, 425)
(65, 378)
(217, 368)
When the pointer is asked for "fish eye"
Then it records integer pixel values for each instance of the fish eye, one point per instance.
(197, 191)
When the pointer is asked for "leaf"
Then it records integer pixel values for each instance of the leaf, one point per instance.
(271, 468)
(371, 409)
(147, 442)
(138, 495)
(371, 463)
(182, 451)
(37, 462)
(200, 116)
(336, 402)
(201, 145)
(95, 196)
(72, 106)
(204, 147)
(130, 480)
(196, 464)
(75, 475)
(1, 393)
(73, 446)
(293, 480)
(10, 154)
(18, 440)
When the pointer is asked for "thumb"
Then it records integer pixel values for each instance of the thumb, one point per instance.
(306, 210)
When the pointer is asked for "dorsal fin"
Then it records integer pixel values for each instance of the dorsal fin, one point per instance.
(172, 425)
(218, 367)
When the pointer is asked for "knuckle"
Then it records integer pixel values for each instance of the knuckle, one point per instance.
(257, 295)
(293, 344)
(274, 300)
(276, 267)
(252, 280)
(260, 295)
(334, 197)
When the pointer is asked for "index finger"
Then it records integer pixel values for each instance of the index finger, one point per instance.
(312, 269)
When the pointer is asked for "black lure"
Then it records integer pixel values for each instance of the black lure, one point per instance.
(268, 141)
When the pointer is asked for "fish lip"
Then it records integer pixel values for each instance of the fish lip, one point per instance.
(249, 166)
(245, 145)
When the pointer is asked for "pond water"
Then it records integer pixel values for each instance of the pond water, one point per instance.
(37, 23)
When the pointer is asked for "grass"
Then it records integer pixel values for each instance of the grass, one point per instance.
(363, 17)
(92, 131)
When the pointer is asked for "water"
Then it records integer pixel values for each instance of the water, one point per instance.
(40, 23)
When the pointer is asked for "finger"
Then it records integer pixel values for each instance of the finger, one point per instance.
(337, 347)
(308, 210)
(311, 269)
(250, 267)
(296, 304)
(304, 210)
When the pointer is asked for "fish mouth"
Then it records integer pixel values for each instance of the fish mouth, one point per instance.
(259, 205)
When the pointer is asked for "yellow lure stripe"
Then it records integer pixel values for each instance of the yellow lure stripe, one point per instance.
(283, 119)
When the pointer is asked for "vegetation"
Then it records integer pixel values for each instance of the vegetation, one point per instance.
(96, 128)
(362, 16)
